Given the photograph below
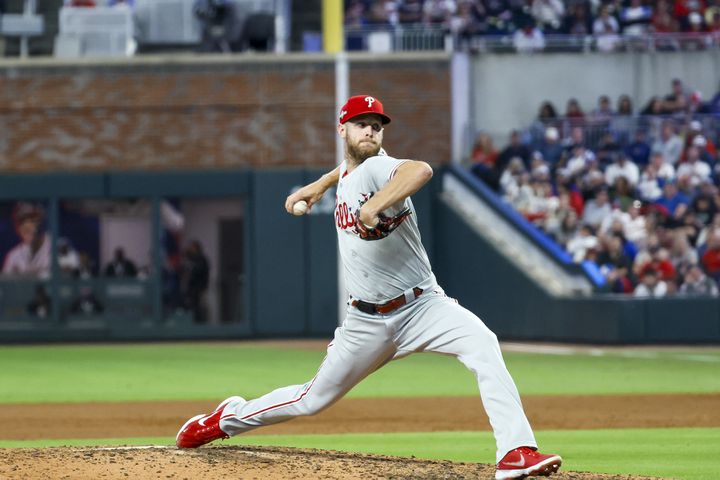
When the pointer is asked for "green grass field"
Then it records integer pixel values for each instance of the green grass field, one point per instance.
(41, 374)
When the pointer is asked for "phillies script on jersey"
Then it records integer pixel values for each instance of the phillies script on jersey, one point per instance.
(344, 218)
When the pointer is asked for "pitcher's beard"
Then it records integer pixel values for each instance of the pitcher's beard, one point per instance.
(360, 152)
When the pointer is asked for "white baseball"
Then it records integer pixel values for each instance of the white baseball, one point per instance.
(300, 208)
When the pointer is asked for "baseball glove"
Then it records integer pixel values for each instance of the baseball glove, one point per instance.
(385, 226)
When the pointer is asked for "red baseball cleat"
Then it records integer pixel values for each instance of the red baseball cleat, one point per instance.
(524, 461)
(204, 428)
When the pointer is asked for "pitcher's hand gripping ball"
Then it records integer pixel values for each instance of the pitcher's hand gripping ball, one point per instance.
(300, 208)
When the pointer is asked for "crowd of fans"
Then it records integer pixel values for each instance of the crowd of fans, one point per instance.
(637, 194)
(529, 21)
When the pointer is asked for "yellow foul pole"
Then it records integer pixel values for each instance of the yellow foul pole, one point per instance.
(332, 25)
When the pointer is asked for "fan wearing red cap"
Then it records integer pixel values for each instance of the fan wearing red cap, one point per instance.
(395, 305)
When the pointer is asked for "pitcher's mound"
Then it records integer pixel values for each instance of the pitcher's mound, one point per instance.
(237, 462)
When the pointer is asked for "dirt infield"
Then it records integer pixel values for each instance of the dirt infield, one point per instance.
(153, 419)
(261, 463)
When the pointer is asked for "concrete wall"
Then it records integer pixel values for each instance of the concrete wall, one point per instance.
(157, 113)
(508, 89)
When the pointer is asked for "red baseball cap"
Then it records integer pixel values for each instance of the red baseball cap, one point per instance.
(361, 104)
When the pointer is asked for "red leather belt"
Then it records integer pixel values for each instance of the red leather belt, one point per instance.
(384, 308)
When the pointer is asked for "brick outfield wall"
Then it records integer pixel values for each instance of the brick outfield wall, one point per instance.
(200, 113)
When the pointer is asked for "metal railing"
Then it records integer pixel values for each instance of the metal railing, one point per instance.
(399, 38)
(622, 127)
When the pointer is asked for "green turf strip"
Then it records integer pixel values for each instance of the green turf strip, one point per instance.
(206, 371)
(681, 453)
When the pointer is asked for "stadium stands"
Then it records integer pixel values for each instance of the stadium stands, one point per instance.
(547, 25)
(635, 193)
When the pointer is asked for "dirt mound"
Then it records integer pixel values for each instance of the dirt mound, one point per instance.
(261, 463)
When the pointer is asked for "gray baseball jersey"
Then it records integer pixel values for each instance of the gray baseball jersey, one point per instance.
(380, 270)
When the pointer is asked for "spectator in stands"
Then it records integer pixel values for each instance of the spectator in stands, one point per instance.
(583, 241)
(547, 116)
(32, 255)
(669, 143)
(607, 149)
(649, 188)
(602, 115)
(671, 200)
(512, 179)
(656, 173)
(382, 13)
(665, 171)
(713, 106)
(122, 3)
(514, 149)
(548, 14)
(195, 279)
(528, 38)
(623, 193)
(701, 241)
(703, 205)
(597, 209)
(86, 269)
(654, 106)
(710, 258)
(696, 283)
(355, 21)
(682, 254)
(469, 21)
(694, 168)
(625, 106)
(623, 122)
(682, 9)
(68, 258)
(650, 285)
(410, 12)
(606, 30)
(550, 147)
(695, 136)
(660, 262)
(86, 303)
(638, 150)
(439, 12)
(574, 114)
(484, 152)
(695, 37)
(580, 161)
(677, 101)
(663, 22)
(613, 253)
(636, 18)
(120, 266)
(40, 305)
(712, 20)
(622, 167)
(499, 16)
(578, 21)
(635, 226)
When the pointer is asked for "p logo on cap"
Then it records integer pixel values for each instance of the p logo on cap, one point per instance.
(361, 104)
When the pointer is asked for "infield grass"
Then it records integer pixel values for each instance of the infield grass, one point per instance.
(681, 453)
(40, 374)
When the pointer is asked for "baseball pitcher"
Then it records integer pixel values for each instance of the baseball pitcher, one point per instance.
(395, 306)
